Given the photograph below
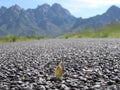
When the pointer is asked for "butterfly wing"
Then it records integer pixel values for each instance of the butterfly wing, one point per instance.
(59, 71)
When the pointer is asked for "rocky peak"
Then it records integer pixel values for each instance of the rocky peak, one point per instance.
(113, 9)
(2, 10)
(60, 10)
(43, 8)
(56, 5)
(15, 7)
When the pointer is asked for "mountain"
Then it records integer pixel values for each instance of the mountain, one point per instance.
(110, 16)
(44, 20)
(109, 31)
(50, 21)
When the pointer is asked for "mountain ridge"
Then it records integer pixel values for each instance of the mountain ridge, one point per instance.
(50, 21)
(44, 20)
(109, 31)
(98, 21)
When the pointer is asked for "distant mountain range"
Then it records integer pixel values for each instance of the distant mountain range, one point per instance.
(109, 31)
(50, 21)
(110, 16)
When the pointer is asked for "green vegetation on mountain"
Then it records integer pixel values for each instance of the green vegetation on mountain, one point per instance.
(109, 31)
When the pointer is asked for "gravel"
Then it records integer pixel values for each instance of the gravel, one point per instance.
(89, 64)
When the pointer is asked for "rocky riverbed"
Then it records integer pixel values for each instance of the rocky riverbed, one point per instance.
(89, 64)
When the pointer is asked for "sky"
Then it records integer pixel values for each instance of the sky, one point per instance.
(78, 8)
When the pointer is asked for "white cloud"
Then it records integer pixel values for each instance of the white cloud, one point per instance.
(84, 6)
(99, 3)
(91, 3)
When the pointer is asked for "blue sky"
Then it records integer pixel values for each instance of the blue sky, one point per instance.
(78, 8)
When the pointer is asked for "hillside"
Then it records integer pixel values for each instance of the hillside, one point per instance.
(110, 31)
(50, 21)
(98, 21)
(45, 20)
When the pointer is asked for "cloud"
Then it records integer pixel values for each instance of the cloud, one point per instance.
(91, 3)
(83, 6)
(99, 3)
(78, 8)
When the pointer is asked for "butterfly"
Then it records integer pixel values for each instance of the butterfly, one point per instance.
(59, 71)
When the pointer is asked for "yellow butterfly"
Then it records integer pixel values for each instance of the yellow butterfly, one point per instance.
(59, 71)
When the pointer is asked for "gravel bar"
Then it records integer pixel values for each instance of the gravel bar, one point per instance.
(89, 64)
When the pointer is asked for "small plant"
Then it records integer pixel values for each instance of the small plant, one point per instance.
(59, 71)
